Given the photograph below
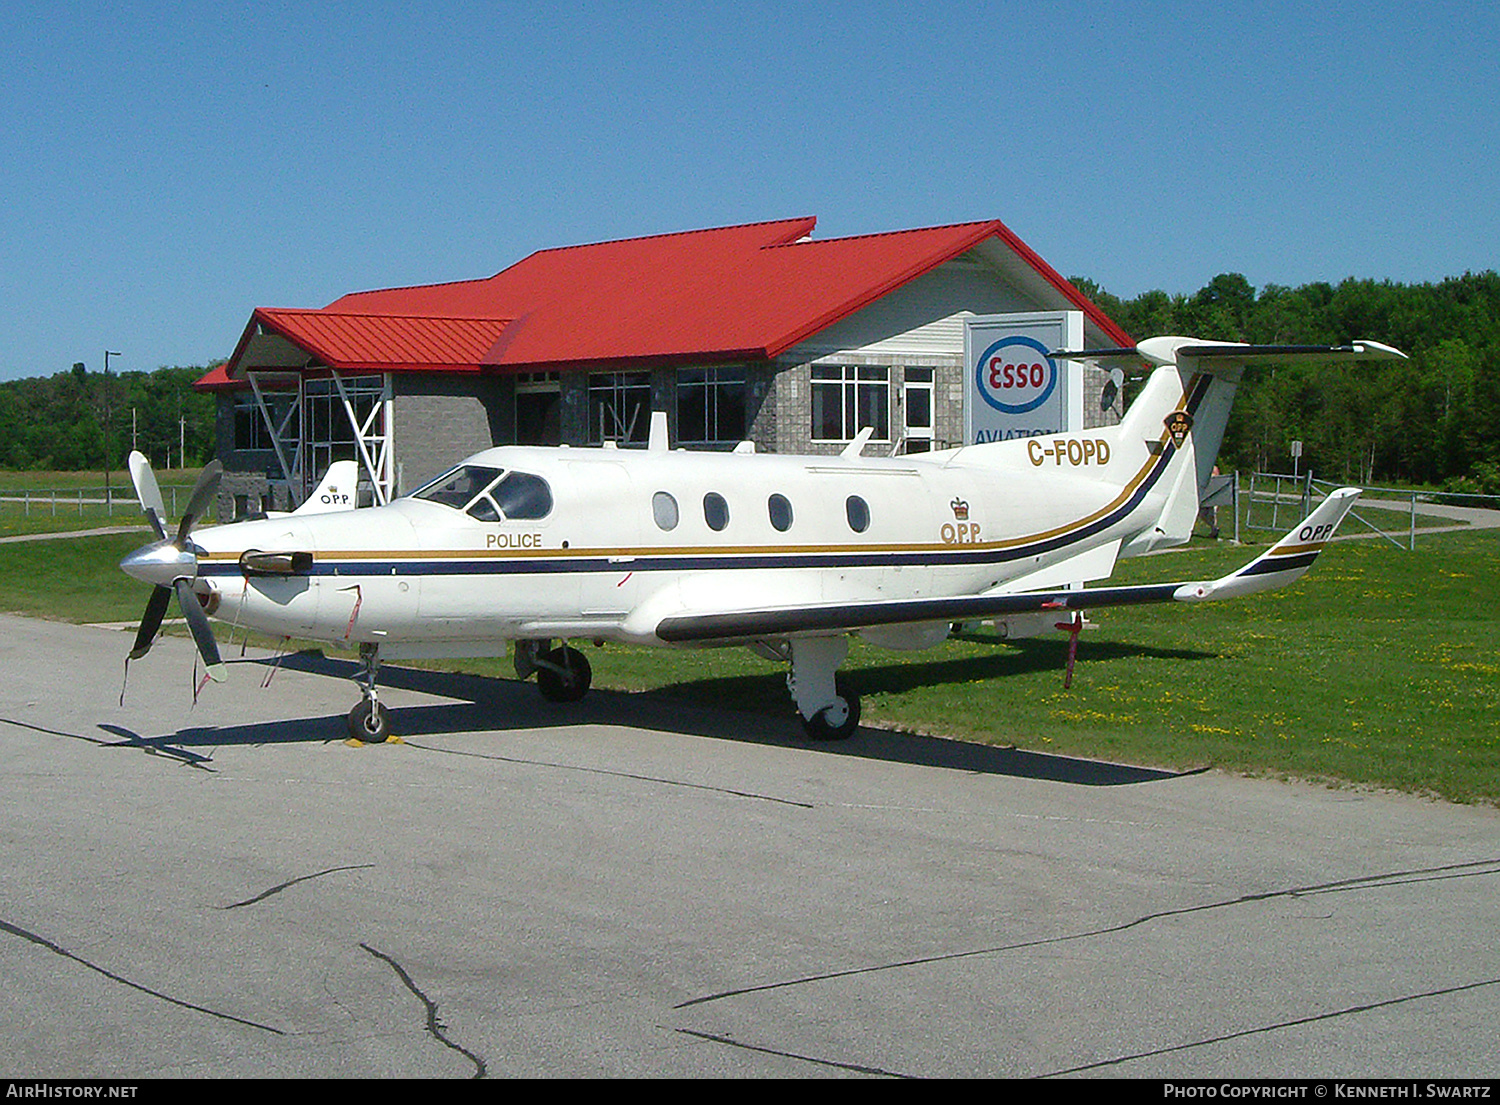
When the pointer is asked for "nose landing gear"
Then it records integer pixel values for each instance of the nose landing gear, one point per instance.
(369, 721)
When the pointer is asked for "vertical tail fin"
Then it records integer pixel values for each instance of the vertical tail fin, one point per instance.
(1170, 436)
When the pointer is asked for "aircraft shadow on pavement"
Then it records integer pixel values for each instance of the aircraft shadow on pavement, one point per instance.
(485, 704)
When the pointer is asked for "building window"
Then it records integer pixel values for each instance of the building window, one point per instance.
(710, 406)
(331, 436)
(250, 431)
(917, 395)
(538, 408)
(846, 399)
(619, 407)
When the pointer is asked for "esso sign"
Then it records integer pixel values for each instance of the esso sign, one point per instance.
(1015, 375)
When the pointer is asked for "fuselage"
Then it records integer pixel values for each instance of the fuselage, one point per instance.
(609, 541)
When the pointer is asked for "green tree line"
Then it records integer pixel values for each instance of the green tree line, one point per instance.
(1433, 419)
(80, 420)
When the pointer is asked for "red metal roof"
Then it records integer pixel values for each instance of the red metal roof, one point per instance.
(387, 343)
(732, 293)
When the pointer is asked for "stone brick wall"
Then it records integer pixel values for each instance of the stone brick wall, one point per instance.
(438, 420)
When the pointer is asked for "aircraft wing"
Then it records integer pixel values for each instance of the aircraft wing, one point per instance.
(1284, 562)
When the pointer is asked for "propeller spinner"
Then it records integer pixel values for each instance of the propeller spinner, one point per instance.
(171, 563)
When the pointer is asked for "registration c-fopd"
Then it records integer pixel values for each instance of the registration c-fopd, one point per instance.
(1071, 451)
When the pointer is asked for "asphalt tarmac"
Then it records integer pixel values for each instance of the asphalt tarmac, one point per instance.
(621, 888)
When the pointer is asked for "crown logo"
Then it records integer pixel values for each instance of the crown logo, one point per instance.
(960, 510)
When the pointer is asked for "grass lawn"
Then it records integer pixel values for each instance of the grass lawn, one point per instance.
(1379, 668)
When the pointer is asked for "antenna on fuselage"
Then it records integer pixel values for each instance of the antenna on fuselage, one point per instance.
(657, 442)
(857, 446)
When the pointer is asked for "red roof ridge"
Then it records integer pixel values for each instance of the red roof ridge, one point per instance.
(807, 221)
(397, 288)
(887, 234)
(329, 312)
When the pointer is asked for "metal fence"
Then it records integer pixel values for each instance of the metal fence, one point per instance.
(86, 502)
(1271, 492)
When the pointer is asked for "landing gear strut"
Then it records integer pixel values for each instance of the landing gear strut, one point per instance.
(562, 673)
(829, 711)
(369, 721)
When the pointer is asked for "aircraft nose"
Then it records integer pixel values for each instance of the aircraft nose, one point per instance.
(161, 563)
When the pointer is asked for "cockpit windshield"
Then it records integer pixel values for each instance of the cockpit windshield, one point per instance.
(458, 487)
(490, 494)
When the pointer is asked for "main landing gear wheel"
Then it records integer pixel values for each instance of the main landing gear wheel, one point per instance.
(564, 674)
(369, 722)
(836, 722)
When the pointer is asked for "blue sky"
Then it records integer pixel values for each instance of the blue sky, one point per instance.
(166, 168)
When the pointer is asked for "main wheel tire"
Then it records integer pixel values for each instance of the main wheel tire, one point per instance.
(570, 684)
(369, 722)
(822, 726)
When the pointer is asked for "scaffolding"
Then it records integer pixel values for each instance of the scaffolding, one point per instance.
(333, 417)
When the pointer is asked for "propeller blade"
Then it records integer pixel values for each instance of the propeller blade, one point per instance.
(203, 634)
(148, 493)
(203, 492)
(156, 609)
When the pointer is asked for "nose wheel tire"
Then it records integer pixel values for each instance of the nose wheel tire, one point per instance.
(369, 722)
(564, 675)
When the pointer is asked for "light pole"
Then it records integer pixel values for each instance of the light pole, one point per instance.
(108, 413)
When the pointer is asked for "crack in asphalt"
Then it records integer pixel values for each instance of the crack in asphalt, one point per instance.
(615, 774)
(730, 1041)
(1274, 1027)
(277, 889)
(1392, 878)
(435, 1027)
(57, 949)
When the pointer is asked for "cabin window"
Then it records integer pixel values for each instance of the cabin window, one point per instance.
(710, 405)
(664, 510)
(858, 513)
(715, 511)
(522, 495)
(847, 398)
(458, 487)
(780, 509)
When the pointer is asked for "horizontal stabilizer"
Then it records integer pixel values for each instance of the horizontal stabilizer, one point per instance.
(1173, 350)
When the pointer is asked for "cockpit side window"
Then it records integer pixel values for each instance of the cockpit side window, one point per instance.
(522, 495)
(484, 510)
(458, 487)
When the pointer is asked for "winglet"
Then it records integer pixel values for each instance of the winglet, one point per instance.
(1284, 562)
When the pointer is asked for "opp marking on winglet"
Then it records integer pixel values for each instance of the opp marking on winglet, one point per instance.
(1283, 562)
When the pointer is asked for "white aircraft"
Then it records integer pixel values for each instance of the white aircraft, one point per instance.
(785, 554)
